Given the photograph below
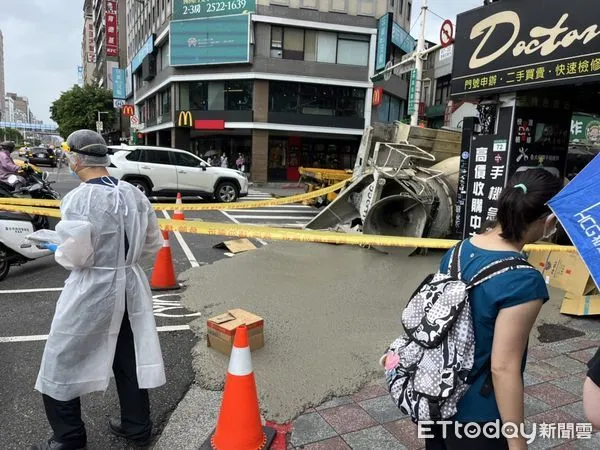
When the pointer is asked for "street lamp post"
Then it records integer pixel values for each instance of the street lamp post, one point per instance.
(100, 120)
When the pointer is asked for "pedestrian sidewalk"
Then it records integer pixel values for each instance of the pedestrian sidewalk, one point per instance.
(369, 420)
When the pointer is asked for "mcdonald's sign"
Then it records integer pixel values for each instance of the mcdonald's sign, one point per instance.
(377, 96)
(185, 119)
(128, 110)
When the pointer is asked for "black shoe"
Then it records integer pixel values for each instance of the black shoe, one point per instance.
(53, 444)
(115, 427)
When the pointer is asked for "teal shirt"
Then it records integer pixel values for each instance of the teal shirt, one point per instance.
(511, 288)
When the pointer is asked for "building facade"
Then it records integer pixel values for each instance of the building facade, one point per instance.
(104, 40)
(439, 109)
(2, 85)
(22, 113)
(9, 110)
(286, 86)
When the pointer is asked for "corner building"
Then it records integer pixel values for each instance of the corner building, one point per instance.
(285, 82)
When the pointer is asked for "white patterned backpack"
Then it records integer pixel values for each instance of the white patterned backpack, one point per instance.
(429, 369)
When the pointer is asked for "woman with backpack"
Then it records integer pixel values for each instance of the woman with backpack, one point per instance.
(504, 305)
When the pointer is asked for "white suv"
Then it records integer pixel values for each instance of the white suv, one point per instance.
(163, 170)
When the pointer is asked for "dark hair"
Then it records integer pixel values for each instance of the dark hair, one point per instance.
(525, 200)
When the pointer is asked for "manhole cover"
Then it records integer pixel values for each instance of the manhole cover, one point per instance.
(554, 333)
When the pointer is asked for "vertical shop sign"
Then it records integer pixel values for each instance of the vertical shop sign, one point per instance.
(412, 90)
(112, 28)
(488, 164)
(90, 46)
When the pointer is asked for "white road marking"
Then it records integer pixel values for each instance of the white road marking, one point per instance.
(265, 210)
(30, 291)
(274, 217)
(43, 337)
(188, 252)
(234, 220)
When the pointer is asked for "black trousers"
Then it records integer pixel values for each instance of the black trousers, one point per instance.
(453, 442)
(65, 417)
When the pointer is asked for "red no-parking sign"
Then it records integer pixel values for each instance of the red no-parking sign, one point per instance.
(447, 33)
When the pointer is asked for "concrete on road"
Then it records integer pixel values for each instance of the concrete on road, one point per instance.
(330, 312)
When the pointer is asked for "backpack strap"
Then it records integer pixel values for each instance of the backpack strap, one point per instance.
(454, 266)
(498, 268)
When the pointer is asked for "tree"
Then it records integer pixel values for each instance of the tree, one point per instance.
(78, 108)
(10, 134)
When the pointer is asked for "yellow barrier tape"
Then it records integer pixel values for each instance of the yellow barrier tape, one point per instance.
(325, 237)
(197, 207)
(284, 234)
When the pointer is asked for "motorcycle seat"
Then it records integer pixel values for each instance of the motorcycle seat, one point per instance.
(13, 215)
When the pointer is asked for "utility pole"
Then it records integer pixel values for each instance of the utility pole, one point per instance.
(414, 120)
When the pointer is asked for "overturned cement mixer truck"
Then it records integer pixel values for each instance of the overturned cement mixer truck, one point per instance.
(397, 187)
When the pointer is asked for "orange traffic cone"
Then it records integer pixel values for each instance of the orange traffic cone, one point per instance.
(163, 275)
(239, 426)
(178, 214)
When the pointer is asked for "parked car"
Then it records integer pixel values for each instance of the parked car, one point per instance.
(41, 156)
(166, 171)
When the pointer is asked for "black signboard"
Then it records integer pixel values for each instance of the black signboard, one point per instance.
(488, 165)
(540, 139)
(513, 45)
(461, 192)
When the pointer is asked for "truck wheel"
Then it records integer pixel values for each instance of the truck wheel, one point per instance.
(4, 264)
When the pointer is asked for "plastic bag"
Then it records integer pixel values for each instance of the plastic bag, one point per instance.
(75, 250)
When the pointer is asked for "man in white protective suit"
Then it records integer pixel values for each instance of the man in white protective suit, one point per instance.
(103, 323)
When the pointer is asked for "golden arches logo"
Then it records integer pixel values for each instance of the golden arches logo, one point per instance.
(185, 119)
(128, 110)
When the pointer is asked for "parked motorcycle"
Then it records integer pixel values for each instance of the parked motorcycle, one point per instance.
(15, 226)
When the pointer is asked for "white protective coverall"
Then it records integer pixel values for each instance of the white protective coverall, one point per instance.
(81, 346)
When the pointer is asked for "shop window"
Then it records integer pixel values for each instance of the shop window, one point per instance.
(152, 108)
(326, 47)
(165, 102)
(164, 56)
(238, 95)
(233, 95)
(316, 99)
(353, 50)
(293, 43)
(442, 90)
(310, 45)
(276, 42)
(391, 109)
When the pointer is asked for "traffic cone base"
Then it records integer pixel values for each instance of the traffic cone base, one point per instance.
(239, 425)
(178, 214)
(163, 275)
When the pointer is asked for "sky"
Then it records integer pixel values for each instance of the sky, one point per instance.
(42, 49)
(42, 44)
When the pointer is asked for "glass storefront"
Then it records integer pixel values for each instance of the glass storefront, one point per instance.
(231, 95)
(316, 99)
(214, 147)
(287, 154)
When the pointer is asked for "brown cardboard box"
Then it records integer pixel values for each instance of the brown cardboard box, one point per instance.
(580, 305)
(221, 330)
(565, 271)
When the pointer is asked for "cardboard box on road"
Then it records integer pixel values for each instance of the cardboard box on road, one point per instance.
(221, 330)
(568, 272)
(565, 271)
(580, 305)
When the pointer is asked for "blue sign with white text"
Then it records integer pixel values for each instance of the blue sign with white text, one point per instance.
(118, 79)
(577, 207)
(383, 31)
(402, 40)
(146, 49)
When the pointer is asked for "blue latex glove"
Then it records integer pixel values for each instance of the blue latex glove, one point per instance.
(48, 246)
